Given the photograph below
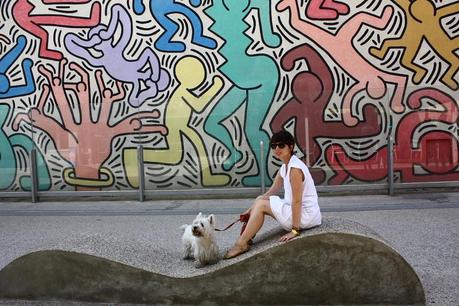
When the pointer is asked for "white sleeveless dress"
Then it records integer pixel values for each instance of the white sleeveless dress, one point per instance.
(282, 209)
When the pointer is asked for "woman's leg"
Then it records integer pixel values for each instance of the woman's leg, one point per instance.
(259, 209)
(260, 197)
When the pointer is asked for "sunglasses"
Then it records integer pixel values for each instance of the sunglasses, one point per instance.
(280, 145)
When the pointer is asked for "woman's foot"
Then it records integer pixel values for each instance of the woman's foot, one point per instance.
(236, 250)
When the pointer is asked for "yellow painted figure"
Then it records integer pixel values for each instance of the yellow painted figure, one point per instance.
(190, 73)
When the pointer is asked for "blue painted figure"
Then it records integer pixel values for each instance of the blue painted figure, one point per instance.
(6, 90)
(161, 11)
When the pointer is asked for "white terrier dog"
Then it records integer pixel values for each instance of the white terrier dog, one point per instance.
(199, 240)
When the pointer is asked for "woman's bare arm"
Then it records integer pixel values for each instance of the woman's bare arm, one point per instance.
(274, 189)
(296, 181)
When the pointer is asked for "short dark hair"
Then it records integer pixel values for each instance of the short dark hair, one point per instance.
(282, 137)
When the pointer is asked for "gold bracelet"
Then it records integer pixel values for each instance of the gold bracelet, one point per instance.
(294, 231)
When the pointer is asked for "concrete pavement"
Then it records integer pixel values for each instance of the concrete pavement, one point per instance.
(422, 227)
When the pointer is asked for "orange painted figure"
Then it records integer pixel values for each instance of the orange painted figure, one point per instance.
(423, 22)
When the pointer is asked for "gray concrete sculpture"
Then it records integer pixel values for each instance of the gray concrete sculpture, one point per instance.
(341, 262)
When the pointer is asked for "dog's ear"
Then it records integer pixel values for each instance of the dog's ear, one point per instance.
(199, 215)
(211, 219)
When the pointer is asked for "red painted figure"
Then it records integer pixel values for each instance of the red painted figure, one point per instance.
(34, 24)
(409, 154)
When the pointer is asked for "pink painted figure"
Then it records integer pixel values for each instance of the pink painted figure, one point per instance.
(339, 46)
(407, 153)
(89, 141)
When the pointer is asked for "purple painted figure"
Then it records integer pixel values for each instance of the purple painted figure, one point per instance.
(144, 73)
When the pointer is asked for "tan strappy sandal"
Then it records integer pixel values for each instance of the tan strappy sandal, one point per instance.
(236, 250)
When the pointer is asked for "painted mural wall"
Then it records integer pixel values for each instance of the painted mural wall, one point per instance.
(200, 83)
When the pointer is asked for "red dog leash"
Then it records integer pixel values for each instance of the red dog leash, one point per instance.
(242, 218)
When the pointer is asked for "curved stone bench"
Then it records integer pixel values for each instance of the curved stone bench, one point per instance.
(340, 262)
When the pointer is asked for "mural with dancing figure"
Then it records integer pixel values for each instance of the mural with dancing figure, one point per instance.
(198, 87)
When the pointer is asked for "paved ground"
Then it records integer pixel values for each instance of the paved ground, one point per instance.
(422, 227)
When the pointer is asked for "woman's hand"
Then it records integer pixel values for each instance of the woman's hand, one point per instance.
(287, 237)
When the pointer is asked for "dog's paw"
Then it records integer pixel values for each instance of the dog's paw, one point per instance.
(187, 254)
(198, 265)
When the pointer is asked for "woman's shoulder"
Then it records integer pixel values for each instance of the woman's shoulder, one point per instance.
(296, 162)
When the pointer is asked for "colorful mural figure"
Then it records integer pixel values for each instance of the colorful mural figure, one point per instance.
(340, 47)
(6, 61)
(423, 22)
(112, 56)
(190, 74)
(410, 150)
(9, 163)
(34, 23)
(199, 83)
(85, 144)
(254, 79)
(162, 11)
(326, 9)
(312, 91)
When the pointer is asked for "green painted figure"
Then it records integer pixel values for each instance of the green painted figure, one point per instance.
(8, 162)
(254, 79)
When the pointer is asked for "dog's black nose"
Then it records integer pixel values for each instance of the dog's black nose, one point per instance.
(195, 231)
